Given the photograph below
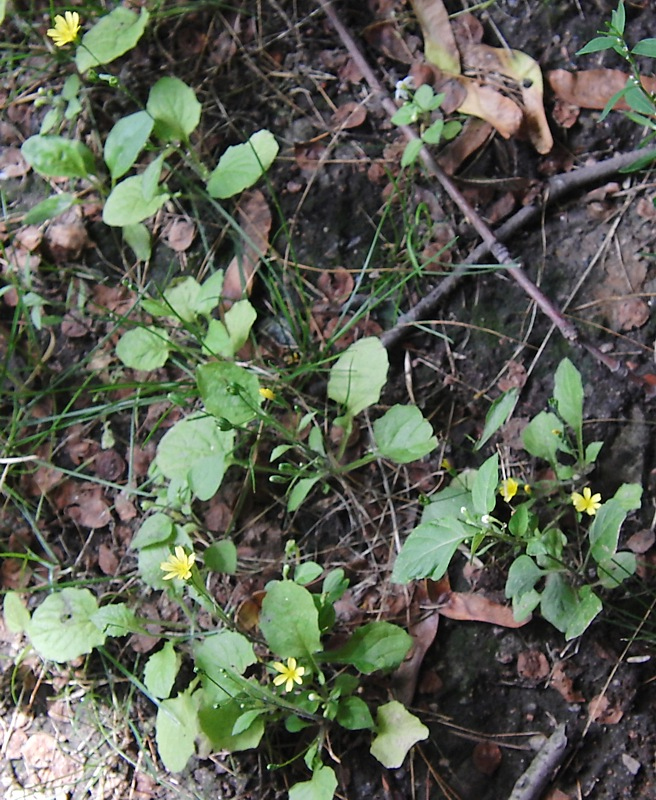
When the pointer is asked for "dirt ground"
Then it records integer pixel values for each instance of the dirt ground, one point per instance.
(490, 695)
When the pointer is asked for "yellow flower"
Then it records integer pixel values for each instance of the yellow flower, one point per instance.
(267, 394)
(289, 674)
(508, 489)
(178, 565)
(66, 28)
(586, 503)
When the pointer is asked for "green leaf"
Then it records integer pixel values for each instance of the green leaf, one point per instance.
(217, 340)
(289, 620)
(209, 296)
(182, 298)
(605, 530)
(221, 557)
(428, 550)
(239, 319)
(144, 348)
(617, 569)
(195, 450)
(523, 574)
(157, 529)
(498, 414)
(411, 152)
(433, 134)
(321, 786)
(217, 658)
(61, 628)
(645, 47)
(592, 451)
(126, 204)
(448, 502)
(397, 731)
(300, 490)
(242, 165)
(49, 208)
(541, 437)
(175, 109)
(161, 671)
(16, 615)
(629, 496)
(125, 141)
(568, 394)
(597, 44)
(229, 391)
(110, 37)
(484, 488)
(404, 435)
(116, 619)
(3, 10)
(218, 725)
(353, 714)
(359, 374)
(150, 177)
(137, 237)
(57, 157)
(307, 572)
(406, 115)
(559, 602)
(588, 606)
(374, 646)
(176, 728)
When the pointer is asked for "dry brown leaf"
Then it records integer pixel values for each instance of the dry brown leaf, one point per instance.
(601, 711)
(349, 115)
(178, 234)
(474, 134)
(405, 677)
(107, 560)
(477, 608)
(12, 163)
(254, 218)
(440, 46)
(385, 36)
(532, 666)
(487, 103)
(641, 541)
(564, 685)
(487, 757)
(592, 88)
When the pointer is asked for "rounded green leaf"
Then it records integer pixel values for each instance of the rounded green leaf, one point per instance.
(358, 375)
(398, 730)
(57, 157)
(175, 109)
(176, 728)
(144, 348)
(61, 628)
(127, 204)
(242, 165)
(125, 141)
(229, 391)
(111, 37)
(161, 670)
(289, 620)
(404, 435)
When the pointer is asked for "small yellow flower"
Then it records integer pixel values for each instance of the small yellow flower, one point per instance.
(267, 394)
(508, 489)
(586, 503)
(178, 565)
(66, 28)
(527, 488)
(289, 674)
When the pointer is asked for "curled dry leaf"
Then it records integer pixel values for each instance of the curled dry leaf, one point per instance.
(406, 675)
(601, 711)
(477, 608)
(254, 217)
(592, 88)
(12, 163)
(473, 136)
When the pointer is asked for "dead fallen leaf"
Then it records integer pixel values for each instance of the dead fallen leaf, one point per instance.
(592, 88)
(12, 163)
(440, 47)
(532, 666)
(564, 685)
(641, 541)
(107, 560)
(178, 234)
(565, 114)
(308, 155)
(474, 134)
(349, 115)
(515, 377)
(601, 711)
(109, 465)
(385, 36)
(646, 209)
(477, 608)
(405, 677)
(487, 757)
(254, 218)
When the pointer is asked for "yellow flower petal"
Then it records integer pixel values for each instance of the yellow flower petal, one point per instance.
(66, 28)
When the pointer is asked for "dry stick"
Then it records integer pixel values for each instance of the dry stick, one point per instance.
(490, 242)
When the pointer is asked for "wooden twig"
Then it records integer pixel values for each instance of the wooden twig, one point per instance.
(541, 770)
(490, 242)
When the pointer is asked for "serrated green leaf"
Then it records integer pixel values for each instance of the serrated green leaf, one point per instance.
(397, 731)
(62, 629)
(126, 204)
(111, 37)
(243, 165)
(289, 620)
(403, 434)
(125, 141)
(175, 109)
(144, 348)
(161, 671)
(57, 157)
